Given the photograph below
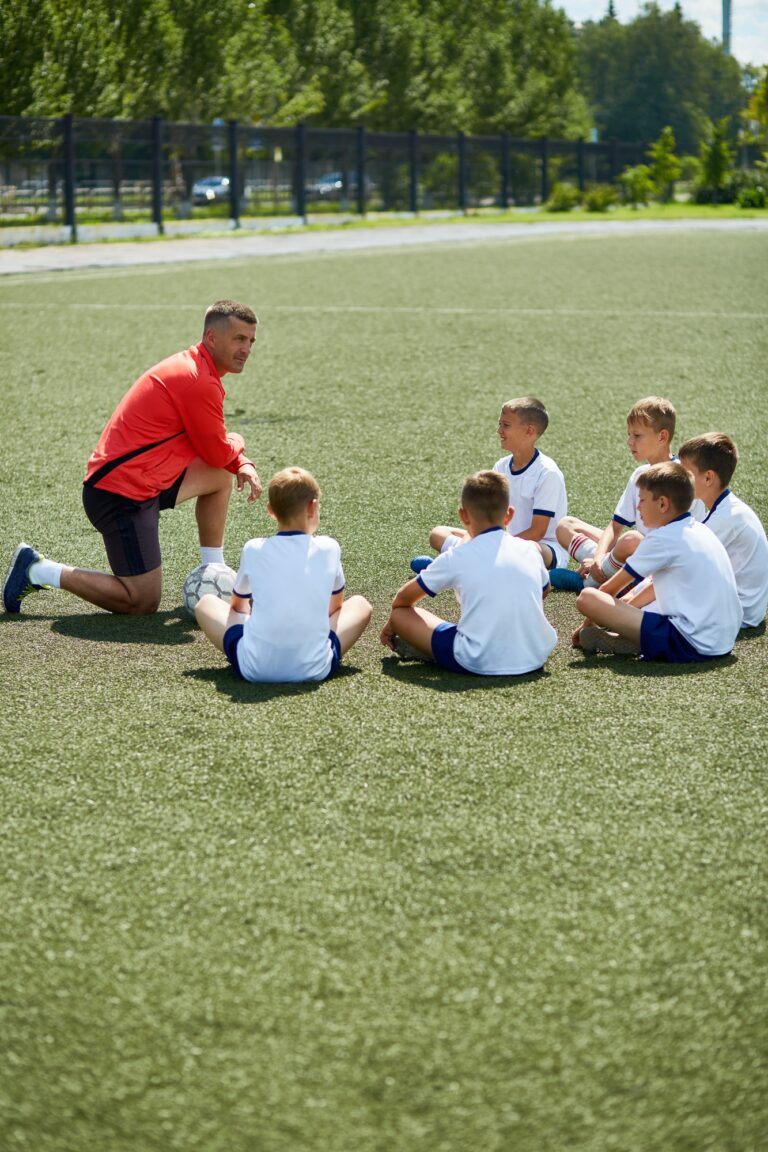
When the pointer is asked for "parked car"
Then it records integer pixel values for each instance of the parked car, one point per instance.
(210, 189)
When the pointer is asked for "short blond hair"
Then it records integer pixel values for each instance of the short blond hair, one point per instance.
(529, 409)
(485, 496)
(670, 479)
(656, 412)
(290, 490)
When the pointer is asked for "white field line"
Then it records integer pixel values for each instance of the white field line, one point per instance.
(408, 310)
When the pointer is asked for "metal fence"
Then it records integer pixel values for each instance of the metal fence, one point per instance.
(71, 170)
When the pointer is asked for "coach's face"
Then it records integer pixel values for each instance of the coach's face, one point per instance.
(230, 345)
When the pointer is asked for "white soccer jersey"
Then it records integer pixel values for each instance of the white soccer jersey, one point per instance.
(693, 581)
(291, 577)
(626, 510)
(742, 535)
(538, 489)
(498, 581)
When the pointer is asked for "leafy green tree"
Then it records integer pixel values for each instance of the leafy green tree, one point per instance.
(655, 71)
(665, 167)
(716, 160)
(637, 185)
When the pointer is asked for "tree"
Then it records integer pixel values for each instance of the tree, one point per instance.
(658, 70)
(665, 167)
(716, 159)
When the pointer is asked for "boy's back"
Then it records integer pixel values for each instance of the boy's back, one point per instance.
(739, 529)
(291, 576)
(693, 583)
(498, 580)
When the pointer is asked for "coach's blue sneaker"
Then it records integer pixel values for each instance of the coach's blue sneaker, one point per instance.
(565, 579)
(17, 582)
(419, 563)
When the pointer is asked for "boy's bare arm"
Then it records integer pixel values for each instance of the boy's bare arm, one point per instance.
(335, 603)
(406, 597)
(537, 530)
(240, 604)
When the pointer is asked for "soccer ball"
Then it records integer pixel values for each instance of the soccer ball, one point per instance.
(217, 579)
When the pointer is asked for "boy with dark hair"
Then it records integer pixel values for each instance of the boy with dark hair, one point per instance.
(601, 552)
(287, 621)
(535, 483)
(711, 460)
(499, 581)
(699, 613)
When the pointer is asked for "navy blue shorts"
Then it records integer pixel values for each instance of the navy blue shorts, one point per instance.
(660, 640)
(442, 648)
(232, 639)
(130, 528)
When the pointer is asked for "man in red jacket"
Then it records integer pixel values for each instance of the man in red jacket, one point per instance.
(166, 442)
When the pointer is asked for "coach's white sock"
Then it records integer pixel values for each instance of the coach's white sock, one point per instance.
(582, 548)
(211, 555)
(46, 572)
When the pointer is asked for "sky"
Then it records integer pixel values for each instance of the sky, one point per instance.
(749, 20)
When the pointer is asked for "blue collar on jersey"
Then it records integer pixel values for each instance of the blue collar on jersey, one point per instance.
(682, 516)
(521, 470)
(291, 532)
(485, 531)
(725, 492)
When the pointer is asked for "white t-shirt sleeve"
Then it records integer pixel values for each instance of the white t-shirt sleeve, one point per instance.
(339, 583)
(651, 554)
(440, 573)
(626, 511)
(548, 496)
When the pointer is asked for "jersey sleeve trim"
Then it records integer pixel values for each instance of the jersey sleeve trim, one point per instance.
(542, 512)
(423, 586)
(623, 522)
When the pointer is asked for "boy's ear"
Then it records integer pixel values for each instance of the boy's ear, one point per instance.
(270, 512)
(664, 504)
(664, 435)
(463, 516)
(508, 515)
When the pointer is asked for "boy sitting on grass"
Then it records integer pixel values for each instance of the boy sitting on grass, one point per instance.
(711, 460)
(699, 613)
(536, 486)
(500, 582)
(602, 552)
(287, 621)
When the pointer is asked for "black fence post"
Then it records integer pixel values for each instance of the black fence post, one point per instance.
(544, 169)
(157, 173)
(504, 198)
(613, 161)
(413, 159)
(234, 175)
(360, 157)
(580, 162)
(68, 133)
(300, 176)
(462, 150)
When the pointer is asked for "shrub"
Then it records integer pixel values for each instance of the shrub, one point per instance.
(563, 198)
(637, 185)
(753, 197)
(600, 197)
(665, 166)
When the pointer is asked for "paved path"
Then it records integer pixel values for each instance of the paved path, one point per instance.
(236, 245)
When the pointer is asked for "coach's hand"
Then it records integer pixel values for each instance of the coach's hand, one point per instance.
(248, 475)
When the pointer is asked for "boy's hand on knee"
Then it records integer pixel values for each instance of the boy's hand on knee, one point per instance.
(387, 636)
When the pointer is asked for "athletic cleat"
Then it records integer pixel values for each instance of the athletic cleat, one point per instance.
(565, 579)
(419, 563)
(594, 639)
(17, 582)
(407, 651)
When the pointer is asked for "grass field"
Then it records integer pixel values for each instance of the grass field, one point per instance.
(401, 911)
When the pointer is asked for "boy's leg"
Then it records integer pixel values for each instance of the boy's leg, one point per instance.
(439, 535)
(612, 614)
(415, 626)
(215, 616)
(571, 526)
(350, 621)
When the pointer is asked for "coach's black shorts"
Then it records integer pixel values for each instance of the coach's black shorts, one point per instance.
(129, 527)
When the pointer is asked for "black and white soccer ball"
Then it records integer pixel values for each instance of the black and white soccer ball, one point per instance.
(216, 579)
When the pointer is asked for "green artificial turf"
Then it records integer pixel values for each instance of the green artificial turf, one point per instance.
(401, 911)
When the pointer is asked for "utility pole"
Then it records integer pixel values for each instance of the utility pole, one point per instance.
(727, 27)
